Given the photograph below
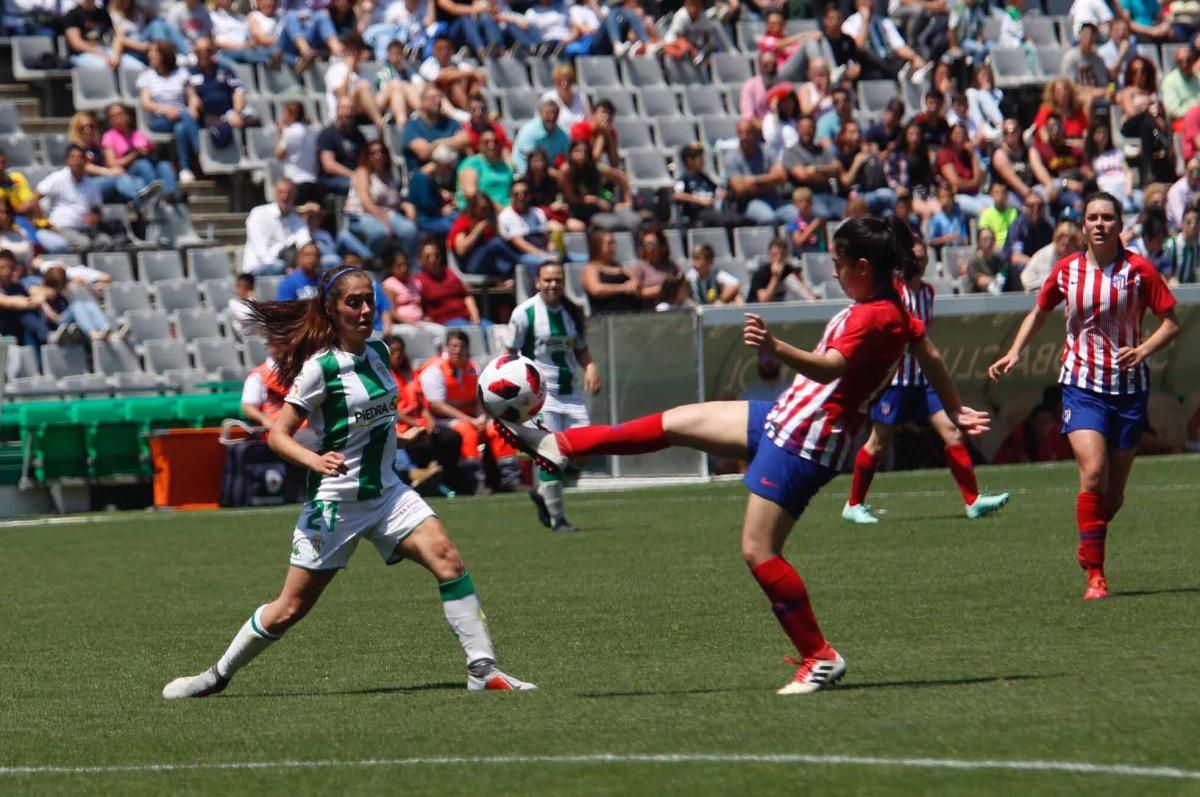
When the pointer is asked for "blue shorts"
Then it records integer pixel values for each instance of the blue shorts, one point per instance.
(756, 421)
(1121, 419)
(906, 404)
(785, 478)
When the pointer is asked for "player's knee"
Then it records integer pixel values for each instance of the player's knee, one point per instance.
(1091, 476)
(445, 560)
(754, 553)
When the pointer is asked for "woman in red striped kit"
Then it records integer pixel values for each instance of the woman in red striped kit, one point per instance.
(799, 443)
(1105, 375)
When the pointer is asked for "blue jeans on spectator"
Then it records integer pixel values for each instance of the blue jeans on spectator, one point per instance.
(51, 242)
(187, 135)
(94, 61)
(15, 25)
(36, 330)
(335, 184)
(880, 201)
(435, 225)
(346, 243)
(255, 55)
(375, 234)
(492, 258)
(769, 211)
(148, 171)
(620, 22)
(118, 188)
(316, 30)
(159, 29)
(464, 31)
(86, 315)
(972, 204)
(499, 36)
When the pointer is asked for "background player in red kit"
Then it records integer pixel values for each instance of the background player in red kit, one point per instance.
(798, 444)
(911, 399)
(1105, 376)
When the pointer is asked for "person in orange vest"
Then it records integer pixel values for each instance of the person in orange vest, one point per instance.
(263, 392)
(449, 384)
(437, 452)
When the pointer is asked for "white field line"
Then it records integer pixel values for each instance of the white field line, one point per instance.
(784, 759)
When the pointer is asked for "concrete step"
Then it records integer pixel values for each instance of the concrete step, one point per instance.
(41, 125)
(28, 106)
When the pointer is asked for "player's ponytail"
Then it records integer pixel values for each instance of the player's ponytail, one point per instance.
(300, 329)
(887, 244)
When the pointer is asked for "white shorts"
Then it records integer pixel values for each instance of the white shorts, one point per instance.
(328, 531)
(557, 415)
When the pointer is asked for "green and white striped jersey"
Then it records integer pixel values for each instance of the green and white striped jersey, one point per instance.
(350, 402)
(548, 336)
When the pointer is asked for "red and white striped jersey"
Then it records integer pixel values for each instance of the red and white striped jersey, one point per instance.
(819, 422)
(1104, 309)
(919, 303)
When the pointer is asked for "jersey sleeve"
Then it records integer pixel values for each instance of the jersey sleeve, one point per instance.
(518, 329)
(308, 391)
(916, 330)
(254, 392)
(1155, 293)
(433, 384)
(853, 333)
(1051, 295)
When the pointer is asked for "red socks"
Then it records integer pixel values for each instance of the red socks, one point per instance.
(865, 464)
(640, 436)
(958, 459)
(789, 601)
(1091, 514)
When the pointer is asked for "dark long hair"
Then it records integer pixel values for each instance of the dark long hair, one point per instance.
(887, 244)
(300, 329)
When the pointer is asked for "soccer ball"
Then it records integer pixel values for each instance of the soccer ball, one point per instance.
(511, 389)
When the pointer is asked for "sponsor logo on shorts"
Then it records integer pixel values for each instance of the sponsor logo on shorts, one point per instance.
(376, 411)
(317, 542)
(1066, 414)
(765, 482)
(886, 408)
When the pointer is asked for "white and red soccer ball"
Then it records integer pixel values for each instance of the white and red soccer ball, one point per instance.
(511, 388)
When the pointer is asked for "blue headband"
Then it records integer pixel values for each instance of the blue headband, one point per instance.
(337, 275)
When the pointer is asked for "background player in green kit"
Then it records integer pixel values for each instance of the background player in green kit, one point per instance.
(548, 328)
(342, 384)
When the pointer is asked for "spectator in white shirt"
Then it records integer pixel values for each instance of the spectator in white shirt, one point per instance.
(238, 308)
(268, 228)
(457, 80)
(75, 202)
(573, 106)
(232, 34)
(1096, 12)
(296, 147)
(163, 91)
(526, 229)
(313, 232)
(549, 20)
(342, 80)
(405, 21)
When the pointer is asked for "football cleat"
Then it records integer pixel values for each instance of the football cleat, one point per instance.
(858, 513)
(1097, 586)
(986, 505)
(564, 526)
(206, 683)
(496, 681)
(542, 512)
(815, 673)
(539, 444)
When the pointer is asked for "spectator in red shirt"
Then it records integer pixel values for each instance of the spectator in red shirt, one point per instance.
(959, 166)
(474, 240)
(1059, 166)
(600, 131)
(444, 298)
(1061, 98)
(480, 122)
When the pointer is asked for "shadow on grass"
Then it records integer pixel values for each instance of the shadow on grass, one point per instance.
(1141, 593)
(373, 690)
(922, 684)
(671, 692)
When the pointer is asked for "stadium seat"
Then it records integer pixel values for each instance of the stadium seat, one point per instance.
(265, 288)
(10, 122)
(574, 289)
(622, 101)
(18, 150)
(202, 410)
(1012, 68)
(598, 71)
(220, 358)
(186, 380)
(748, 34)
(218, 292)
(716, 237)
(684, 73)
(114, 357)
(541, 70)
(673, 133)
(57, 447)
(117, 215)
(127, 84)
(93, 89)
(626, 248)
(84, 386)
(146, 325)
(220, 160)
(113, 446)
(179, 229)
(818, 267)
(279, 84)
(115, 264)
(874, 95)
(254, 349)
(647, 169)
(166, 355)
(54, 149)
(479, 344)
(1042, 31)
(134, 383)
(718, 128)
(675, 244)
(31, 388)
(1151, 52)
(1050, 59)
(737, 267)
(247, 74)
(177, 294)
(659, 102)
(27, 52)
(955, 260)
(507, 73)
(520, 105)
(419, 343)
(208, 264)
(22, 361)
(196, 322)
(576, 243)
(63, 361)
(703, 101)
(159, 266)
(633, 133)
(833, 289)
(752, 241)
(731, 69)
(643, 72)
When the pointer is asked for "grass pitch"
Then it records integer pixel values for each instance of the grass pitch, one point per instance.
(967, 641)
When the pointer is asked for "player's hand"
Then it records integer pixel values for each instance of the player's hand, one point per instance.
(973, 422)
(1002, 366)
(591, 379)
(1130, 357)
(410, 435)
(331, 464)
(756, 335)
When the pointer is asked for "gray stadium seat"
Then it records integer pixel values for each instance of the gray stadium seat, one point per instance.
(818, 267)
(659, 102)
(220, 160)
(249, 77)
(208, 264)
(833, 289)
(574, 289)
(576, 243)
(217, 293)
(113, 357)
(717, 128)
(675, 132)
(186, 380)
(22, 362)
(737, 267)
(127, 84)
(115, 264)
(874, 95)
(633, 133)
(32, 388)
(1012, 68)
(54, 148)
(643, 72)
(18, 149)
(10, 123)
(419, 343)
(752, 241)
(1050, 59)
(675, 244)
(622, 101)
(507, 73)
(254, 350)
(219, 357)
(684, 73)
(716, 237)
(521, 105)
(731, 69)
(126, 296)
(598, 71)
(265, 288)
(166, 355)
(1150, 51)
(541, 70)
(703, 101)
(955, 260)
(1042, 31)
(478, 341)
(647, 168)
(26, 52)
(279, 83)
(748, 34)
(93, 89)
(64, 361)
(626, 248)
(134, 383)
(85, 385)
(159, 266)
(179, 294)
(197, 322)
(147, 325)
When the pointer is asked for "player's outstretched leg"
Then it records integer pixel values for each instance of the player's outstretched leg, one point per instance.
(430, 546)
(266, 625)
(958, 460)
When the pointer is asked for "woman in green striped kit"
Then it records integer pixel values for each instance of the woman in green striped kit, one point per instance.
(548, 329)
(342, 385)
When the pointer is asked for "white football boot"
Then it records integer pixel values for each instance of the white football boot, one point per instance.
(986, 505)
(814, 674)
(202, 685)
(859, 513)
(495, 680)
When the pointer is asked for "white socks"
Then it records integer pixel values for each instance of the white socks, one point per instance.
(466, 619)
(552, 494)
(251, 639)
